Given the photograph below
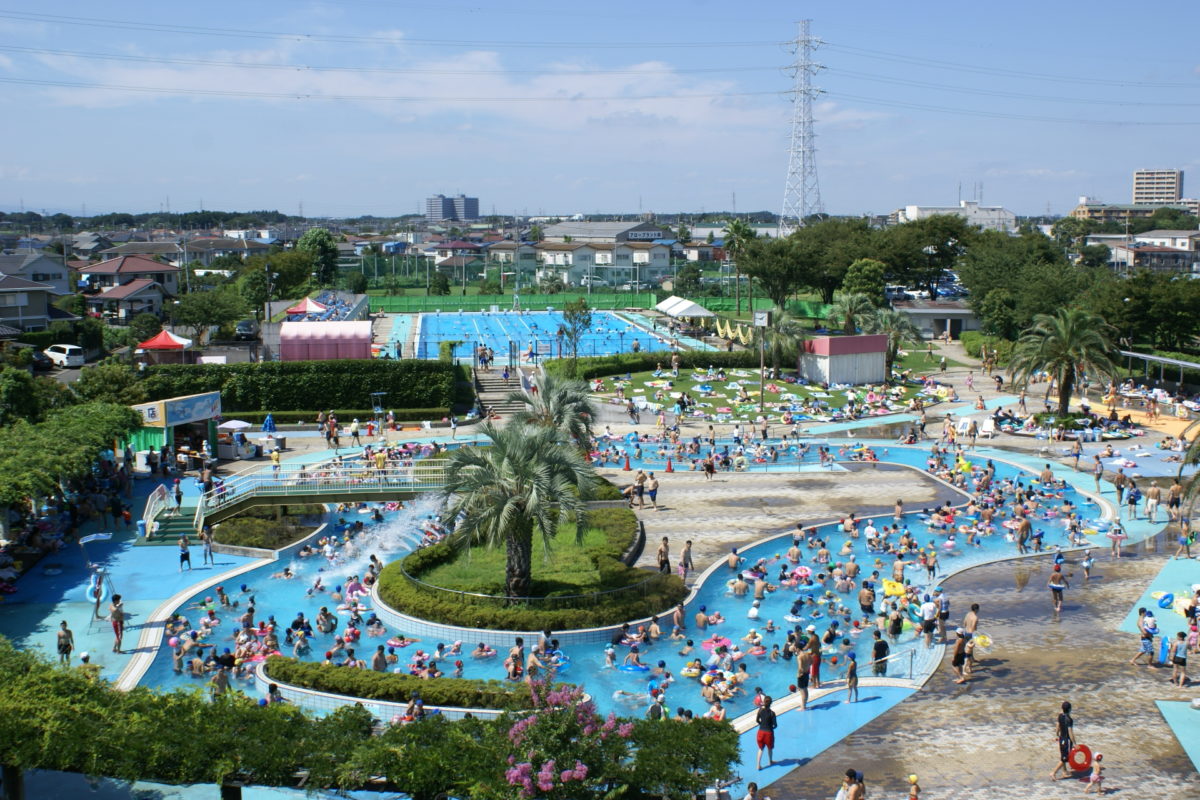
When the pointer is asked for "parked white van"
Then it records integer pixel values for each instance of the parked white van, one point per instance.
(65, 355)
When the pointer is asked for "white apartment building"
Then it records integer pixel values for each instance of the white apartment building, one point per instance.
(1157, 186)
(990, 218)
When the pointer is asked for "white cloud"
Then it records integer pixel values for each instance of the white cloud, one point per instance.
(831, 114)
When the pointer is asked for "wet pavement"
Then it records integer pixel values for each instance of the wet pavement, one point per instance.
(993, 737)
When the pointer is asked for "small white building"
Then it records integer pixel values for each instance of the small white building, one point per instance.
(990, 218)
(853, 360)
(1177, 239)
(934, 317)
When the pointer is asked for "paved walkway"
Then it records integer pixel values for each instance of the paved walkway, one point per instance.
(996, 731)
(736, 509)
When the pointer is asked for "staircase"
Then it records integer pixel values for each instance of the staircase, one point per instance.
(171, 528)
(494, 393)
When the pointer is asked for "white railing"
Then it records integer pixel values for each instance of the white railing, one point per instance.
(293, 480)
(155, 503)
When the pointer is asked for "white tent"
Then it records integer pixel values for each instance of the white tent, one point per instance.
(233, 425)
(675, 306)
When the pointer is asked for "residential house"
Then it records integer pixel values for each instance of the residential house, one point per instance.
(456, 247)
(123, 269)
(89, 244)
(206, 249)
(122, 303)
(461, 268)
(704, 250)
(1119, 212)
(621, 262)
(1128, 258)
(1178, 239)
(27, 305)
(167, 251)
(39, 268)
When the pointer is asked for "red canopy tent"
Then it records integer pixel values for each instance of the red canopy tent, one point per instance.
(306, 306)
(165, 340)
(167, 348)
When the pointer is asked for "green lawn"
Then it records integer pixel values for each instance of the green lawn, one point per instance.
(920, 365)
(723, 402)
(566, 569)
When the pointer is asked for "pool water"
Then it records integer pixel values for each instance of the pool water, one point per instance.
(397, 535)
(609, 334)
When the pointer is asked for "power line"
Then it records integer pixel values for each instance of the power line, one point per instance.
(387, 70)
(194, 30)
(356, 97)
(1001, 93)
(1002, 115)
(883, 55)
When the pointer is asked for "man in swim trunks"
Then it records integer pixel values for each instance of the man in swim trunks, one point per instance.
(1173, 499)
(803, 673)
(1064, 732)
(765, 738)
(929, 613)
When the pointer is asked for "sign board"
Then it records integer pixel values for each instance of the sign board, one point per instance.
(180, 410)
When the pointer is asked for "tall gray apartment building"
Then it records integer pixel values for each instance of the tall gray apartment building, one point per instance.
(460, 208)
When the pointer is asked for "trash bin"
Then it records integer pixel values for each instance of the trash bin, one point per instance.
(258, 451)
(141, 528)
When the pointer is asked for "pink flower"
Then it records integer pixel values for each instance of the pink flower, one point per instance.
(626, 730)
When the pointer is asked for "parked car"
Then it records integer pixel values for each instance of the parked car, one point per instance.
(41, 362)
(633, 286)
(65, 355)
(592, 280)
(246, 331)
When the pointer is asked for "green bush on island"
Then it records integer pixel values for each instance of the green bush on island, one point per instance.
(974, 341)
(268, 527)
(398, 688)
(596, 567)
(603, 366)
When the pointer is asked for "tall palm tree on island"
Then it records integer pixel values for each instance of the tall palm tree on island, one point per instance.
(524, 484)
(1065, 344)
(1191, 457)
(561, 404)
(849, 311)
(897, 327)
(737, 234)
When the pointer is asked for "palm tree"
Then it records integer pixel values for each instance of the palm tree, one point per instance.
(560, 404)
(897, 327)
(781, 341)
(848, 310)
(1065, 345)
(737, 234)
(1191, 457)
(524, 483)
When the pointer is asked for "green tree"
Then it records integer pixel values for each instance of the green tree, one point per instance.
(560, 404)
(781, 339)
(1070, 232)
(524, 483)
(535, 233)
(850, 311)
(319, 243)
(683, 234)
(1065, 345)
(687, 280)
(254, 285)
(356, 282)
(738, 234)
(867, 276)
(200, 311)
(439, 284)
(897, 326)
(997, 312)
(491, 286)
(72, 304)
(577, 320)
(550, 283)
(109, 383)
(1095, 255)
(775, 265)
(17, 397)
(144, 326)
(920, 252)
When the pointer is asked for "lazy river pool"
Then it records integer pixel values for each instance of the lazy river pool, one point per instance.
(626, 691)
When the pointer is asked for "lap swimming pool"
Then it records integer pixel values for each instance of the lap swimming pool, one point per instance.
(533, 334)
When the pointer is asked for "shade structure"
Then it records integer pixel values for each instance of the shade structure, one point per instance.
(306, 306)
(675, 306)
(165, 340)
(233, 425)
(321, 341)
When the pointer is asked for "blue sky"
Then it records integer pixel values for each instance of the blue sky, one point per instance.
(367, 106)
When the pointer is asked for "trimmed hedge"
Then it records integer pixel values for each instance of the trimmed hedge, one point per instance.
(618, 526)
(363, 415)
(973, 342)
(603, 366)
(398, 688)
(299, 385)
(257, 526)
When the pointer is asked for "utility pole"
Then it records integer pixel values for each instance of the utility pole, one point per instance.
(802, 192)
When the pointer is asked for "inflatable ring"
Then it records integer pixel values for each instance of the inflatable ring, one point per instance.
(893, 588)
(709, 644)
(1090, 532)
(690, 672)
(983, 640)
(1166, 601)
(1080, 757)
(633, 668)
(95, 591)
(802, 571)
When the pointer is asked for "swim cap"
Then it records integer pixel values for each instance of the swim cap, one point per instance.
(662, 663)
(912, 778)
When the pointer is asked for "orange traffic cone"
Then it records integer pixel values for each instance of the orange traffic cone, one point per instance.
(670, 468)
(627, 463)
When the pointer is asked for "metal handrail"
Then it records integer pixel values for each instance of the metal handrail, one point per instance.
(317, 479)
(910, 654)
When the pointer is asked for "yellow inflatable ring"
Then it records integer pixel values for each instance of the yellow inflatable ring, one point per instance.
(983, 640)
(893, 588)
